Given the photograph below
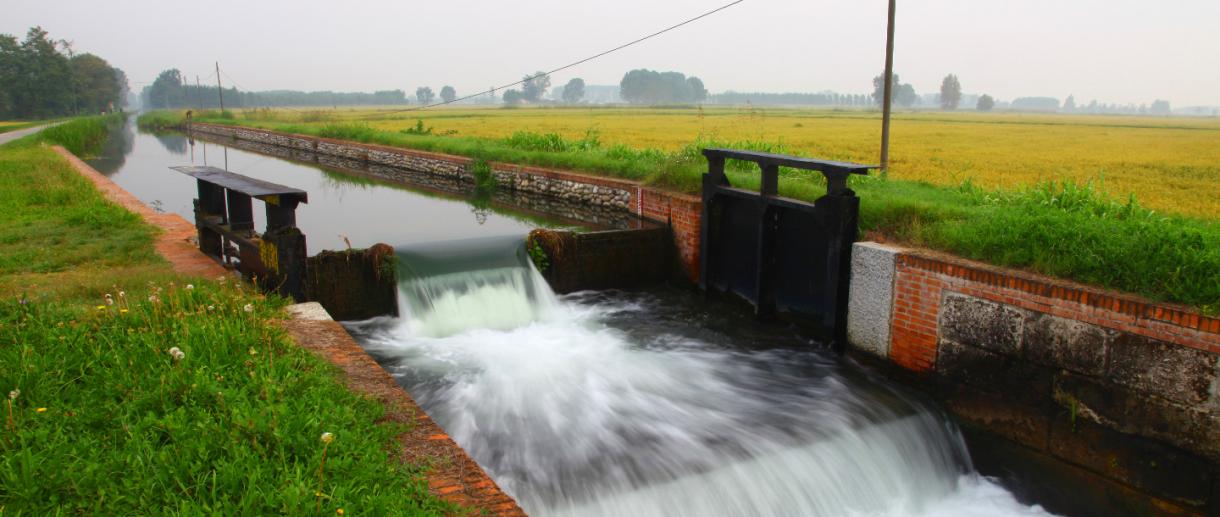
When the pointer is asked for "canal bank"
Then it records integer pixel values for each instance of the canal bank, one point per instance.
(686, 217)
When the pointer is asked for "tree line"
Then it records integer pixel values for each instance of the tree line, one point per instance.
(172, 89)
(45, 78)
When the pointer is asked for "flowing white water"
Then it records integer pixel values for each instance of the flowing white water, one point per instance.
(622, 404)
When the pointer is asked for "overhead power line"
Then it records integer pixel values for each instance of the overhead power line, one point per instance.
(575, 63)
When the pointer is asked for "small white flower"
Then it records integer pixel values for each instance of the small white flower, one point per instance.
(327, 438)
(211, 307)
(176, 353)
(12, 395)
(109, 300)
(122, 294)
(248, 308)
(190, 286)
(152, 298)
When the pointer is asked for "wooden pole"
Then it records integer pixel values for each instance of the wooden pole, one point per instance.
(888, 92)
(220, 92)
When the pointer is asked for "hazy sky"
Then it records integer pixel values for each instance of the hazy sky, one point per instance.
(1111, 50)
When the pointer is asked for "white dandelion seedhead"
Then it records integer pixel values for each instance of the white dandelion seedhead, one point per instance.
(176, 353)
(190, 286)
(211, 307)
(327, 438)
(12, 395)
(152, 298)
(248, 308)
(122, 294)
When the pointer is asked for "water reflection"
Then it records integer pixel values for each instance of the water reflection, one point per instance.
(340, 204)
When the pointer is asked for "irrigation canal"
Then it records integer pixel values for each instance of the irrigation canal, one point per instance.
(648, 402)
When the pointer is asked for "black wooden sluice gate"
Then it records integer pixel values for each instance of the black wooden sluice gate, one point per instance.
(782, 255)
(224, 217)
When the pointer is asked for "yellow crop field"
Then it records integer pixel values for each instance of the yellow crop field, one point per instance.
(1170, 164)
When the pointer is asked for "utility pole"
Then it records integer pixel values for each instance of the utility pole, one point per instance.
(220, 92)
(888, 92)
(198, 93)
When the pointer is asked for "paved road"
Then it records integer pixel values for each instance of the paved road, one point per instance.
(13, 135)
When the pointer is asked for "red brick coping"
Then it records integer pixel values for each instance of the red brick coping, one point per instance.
(922, 276)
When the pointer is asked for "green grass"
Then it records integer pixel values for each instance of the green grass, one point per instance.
(108, 423)
(1069, 230)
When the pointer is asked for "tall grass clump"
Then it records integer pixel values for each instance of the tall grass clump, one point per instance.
(82, 136)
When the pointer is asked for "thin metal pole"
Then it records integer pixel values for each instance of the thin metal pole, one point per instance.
(220, 92)
(198, 94)
(888, 92)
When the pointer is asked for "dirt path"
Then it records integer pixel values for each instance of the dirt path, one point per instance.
(13, 135)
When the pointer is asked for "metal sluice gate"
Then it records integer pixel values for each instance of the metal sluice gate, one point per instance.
(785, 257)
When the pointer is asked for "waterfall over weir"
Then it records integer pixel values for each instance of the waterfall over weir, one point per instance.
(657, 403)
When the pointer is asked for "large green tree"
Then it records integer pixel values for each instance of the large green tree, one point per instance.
(37, 81)
(97, 84)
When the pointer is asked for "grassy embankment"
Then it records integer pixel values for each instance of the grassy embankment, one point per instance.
(1064, 228)
(107, 421)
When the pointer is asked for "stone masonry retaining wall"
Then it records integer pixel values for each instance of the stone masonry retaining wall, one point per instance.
(1121, 387)
(682, 212)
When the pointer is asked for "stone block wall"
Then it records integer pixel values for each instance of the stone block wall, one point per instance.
(604, 260)
(680, 211)
(1115, 386)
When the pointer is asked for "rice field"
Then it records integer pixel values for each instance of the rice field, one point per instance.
(1170, 164)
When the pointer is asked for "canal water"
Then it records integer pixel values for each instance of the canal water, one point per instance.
(647, 402)
(341, 205)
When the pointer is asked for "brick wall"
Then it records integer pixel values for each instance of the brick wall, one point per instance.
(681, 211)
(1121, 391)
(922, 278)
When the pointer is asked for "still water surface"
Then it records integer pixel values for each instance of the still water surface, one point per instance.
(339, 205)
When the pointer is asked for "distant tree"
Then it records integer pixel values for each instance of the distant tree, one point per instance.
(985, 103)
(574, 90)
(1160, 107)
(448, 93)
(1036, 104)
(1069, 105)
(950, 93)
(904, 94)
(697, 92)
(166, 91)
(643, 86)
(534, 86)
(424, 94)
(512, 97)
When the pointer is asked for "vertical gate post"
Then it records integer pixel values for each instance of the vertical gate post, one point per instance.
(713, 179)
(210, 208)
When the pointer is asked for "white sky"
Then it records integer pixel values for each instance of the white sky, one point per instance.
(1110, 50)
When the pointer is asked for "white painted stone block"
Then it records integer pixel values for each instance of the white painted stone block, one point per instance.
(871, 297)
